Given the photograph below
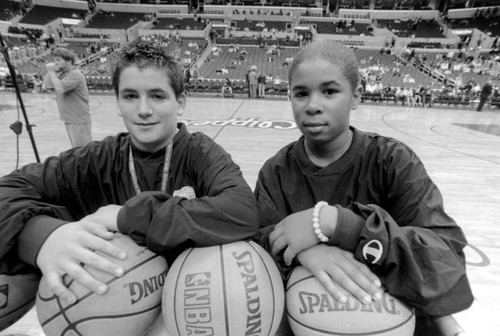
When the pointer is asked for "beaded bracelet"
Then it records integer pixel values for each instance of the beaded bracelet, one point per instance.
(315, 221)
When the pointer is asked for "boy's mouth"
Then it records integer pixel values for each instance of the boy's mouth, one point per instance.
(314, 126)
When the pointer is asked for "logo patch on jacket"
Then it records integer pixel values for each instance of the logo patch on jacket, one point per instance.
(186, 192)
(372, 251)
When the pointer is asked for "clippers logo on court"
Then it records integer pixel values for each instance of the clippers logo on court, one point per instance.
(249, 123)
(197, 304)
(372, 251)
(4, 296)
(248, 274)
(140, 290)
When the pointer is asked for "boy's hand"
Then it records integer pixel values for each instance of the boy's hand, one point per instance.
(50, 66)
(106, 215)
(293, 234)
(341, 274)
(68, 248)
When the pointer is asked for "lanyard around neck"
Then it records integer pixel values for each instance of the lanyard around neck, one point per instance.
(164, 176)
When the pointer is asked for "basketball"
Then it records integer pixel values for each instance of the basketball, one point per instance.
(17, 296)
(312, 311)
(129, 307)
(233, 289)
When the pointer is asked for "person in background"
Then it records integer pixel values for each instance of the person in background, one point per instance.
(72, 96)
(261, 82)
(485, 94)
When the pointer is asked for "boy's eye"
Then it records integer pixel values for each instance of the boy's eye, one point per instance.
(158, 96)
(300, 94)
(129, 96)
(331, 91)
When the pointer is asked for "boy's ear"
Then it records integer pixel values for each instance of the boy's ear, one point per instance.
(119, 111)
(181, 104)
(356, 97)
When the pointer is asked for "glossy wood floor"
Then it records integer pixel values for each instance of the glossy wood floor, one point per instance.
(460, 148)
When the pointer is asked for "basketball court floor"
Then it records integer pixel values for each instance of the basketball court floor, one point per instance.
(459, 147)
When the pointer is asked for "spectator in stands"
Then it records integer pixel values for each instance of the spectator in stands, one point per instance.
(398, 96)
(187, 74)
(72, 96)
(408, 96)
(195, 74)
(227, 87)
(486, 92)
(261, 82)
(252, 83)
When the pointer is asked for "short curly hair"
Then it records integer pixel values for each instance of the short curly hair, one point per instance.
(65, 54)
(144, 54)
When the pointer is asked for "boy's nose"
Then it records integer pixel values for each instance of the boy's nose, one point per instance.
(144, 107)
(314, 104)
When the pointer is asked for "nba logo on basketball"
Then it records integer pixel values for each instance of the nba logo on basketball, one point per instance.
(198, 279)
(4, 296)
(198, 310)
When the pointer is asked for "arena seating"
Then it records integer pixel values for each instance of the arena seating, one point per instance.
(252, 42)
(41, 15)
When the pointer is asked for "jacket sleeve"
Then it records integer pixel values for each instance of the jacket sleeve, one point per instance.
(423, 266)
(408, 238)
(223, 211)
(26, 194)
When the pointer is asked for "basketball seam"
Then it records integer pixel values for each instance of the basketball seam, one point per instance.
(224, 289)
(175, 290)
(272, 285)
(335, 333)
(90, 293)
(74, 324)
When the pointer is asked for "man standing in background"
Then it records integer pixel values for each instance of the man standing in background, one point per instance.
(485, 94)
(72, 96)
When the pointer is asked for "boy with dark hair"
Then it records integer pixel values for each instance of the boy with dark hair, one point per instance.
(166, 188)
(357, 209)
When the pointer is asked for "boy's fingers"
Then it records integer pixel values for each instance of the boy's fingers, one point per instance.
(56, 286)
(97, 230)
(278, 245)
(349, 284)
(90, 258)
(98, 244)
(275, 234)
(84, 278)
(289, 255)
(327, 282)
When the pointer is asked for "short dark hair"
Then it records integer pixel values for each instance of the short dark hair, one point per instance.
(65, 54)
(332, 52)
(144, 54)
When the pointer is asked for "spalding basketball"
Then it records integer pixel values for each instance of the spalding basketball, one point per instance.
(17, 296)
(129, 307)
(233, 289)
(312, 311)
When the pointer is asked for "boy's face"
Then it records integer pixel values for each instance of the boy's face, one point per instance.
(61, 63)
(148, 106)
(322, 98)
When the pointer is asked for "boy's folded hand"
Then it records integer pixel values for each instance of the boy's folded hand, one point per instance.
(293, 234)
(341, 274)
